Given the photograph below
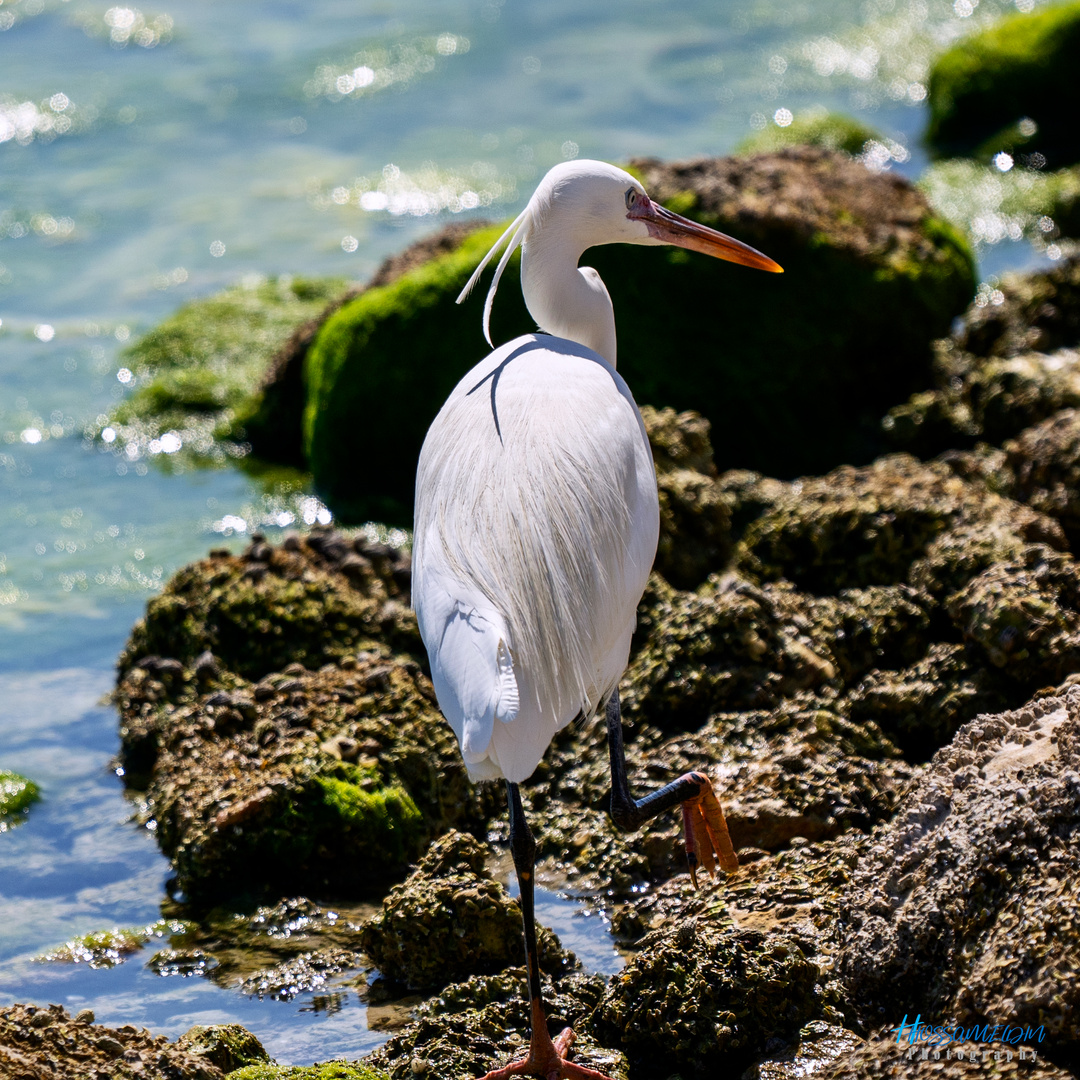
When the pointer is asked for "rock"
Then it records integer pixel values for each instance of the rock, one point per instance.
(228, 1046)
(695, 516)
(248, 798)
(871, 526)
(967, 902)
(273, 418)
(195, 373)
(1010, 87)
(1013, 363)
(1023, 615)
(819, 1045)
(312, 601)
(17, 795)
(47, 1044)
(1043, 468)
(697, 998)
(451, 919)
(905, 275)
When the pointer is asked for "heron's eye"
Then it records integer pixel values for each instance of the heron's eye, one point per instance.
(631, 198)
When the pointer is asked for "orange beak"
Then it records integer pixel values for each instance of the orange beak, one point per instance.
(671, 228)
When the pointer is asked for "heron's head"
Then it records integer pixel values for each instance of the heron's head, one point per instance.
(601, 204)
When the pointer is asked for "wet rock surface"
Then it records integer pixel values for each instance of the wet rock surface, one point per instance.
(967, 901)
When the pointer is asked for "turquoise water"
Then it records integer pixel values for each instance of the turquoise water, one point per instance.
(151, 155)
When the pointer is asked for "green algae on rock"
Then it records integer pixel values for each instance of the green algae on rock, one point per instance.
(329, 1070)
(967, 902)
(17, 795)
(451, 919)
(1010, 87)
(697, 997)
(866, 260)
(262, 786)
(194, 373)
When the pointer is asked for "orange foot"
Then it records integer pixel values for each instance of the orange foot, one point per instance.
(706, 832)
(547, 1056)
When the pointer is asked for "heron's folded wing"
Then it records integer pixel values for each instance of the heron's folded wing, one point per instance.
(471, 667)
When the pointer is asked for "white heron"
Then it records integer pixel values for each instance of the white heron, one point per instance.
(536, 525)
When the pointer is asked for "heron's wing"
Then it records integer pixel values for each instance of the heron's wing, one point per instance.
(471, 664)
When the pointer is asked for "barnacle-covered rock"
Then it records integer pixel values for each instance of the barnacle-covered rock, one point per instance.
(1024, 615)
(881, 1056)
(920, 707)
(868, 526)
(46, 1043)
(695, 515)
(967, 902)
(697, 997)
(450, 919)
(228, 1046)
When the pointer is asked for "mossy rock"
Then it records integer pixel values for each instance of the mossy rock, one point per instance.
(1021, 68)
(17, 795)
(197, 371)
(866, 261)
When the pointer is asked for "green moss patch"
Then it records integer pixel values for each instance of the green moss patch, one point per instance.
(330, 1070)
(833, 131)
(1012, 87)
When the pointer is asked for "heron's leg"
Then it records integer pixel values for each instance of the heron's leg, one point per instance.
(547, 1056)
(707, 839)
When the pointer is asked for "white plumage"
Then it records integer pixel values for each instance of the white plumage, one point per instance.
(536, 507)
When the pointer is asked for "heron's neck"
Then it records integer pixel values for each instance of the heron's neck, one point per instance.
(567, 300)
